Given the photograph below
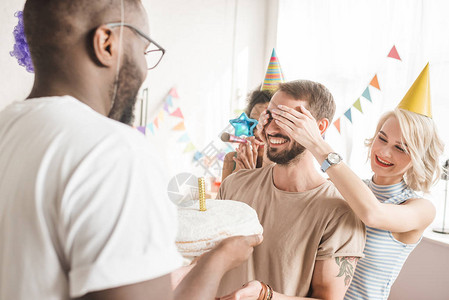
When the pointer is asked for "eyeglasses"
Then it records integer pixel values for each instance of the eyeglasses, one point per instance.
(153, 53)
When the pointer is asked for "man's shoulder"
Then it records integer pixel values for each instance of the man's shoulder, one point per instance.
(244, 181)
(248, 175)
(331, 199)
(338, 209)
(82, 120)
(77, 126)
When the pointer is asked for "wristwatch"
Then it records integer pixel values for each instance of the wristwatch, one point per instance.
(332, 159)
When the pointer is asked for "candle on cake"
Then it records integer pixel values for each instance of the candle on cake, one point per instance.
(202, 193)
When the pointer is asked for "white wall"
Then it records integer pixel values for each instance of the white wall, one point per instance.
(215, 54)
(425, 273)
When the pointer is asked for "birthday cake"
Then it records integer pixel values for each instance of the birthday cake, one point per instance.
(200, 231)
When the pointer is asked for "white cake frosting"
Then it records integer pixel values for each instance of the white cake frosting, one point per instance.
(200, 231)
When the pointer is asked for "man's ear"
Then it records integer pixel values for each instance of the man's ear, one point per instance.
(105, 45)
(323, 124)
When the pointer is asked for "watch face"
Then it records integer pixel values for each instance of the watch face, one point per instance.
(334, 158)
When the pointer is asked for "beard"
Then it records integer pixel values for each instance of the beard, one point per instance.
(286, 156)
(128, 85)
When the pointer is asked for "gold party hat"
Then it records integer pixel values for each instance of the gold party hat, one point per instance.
(417, 99)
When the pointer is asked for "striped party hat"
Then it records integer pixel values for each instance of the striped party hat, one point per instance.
(274, 74)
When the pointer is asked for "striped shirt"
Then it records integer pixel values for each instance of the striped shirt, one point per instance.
(384, 255)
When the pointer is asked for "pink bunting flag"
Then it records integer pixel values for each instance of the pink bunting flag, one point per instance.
(177, 113)
(394, 53)
(173, 93)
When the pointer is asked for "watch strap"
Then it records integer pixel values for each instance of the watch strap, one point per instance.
(325, 165)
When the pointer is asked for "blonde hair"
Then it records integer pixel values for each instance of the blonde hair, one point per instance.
(423, 145)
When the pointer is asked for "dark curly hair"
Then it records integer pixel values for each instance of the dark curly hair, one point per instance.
(257, 97)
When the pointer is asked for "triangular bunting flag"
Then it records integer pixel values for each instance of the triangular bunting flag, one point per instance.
(184, 138)
(221, 156)
(151, 127)
(366, 94)
(197, 156)
(358, 105)
(160, 116)
(169, 100)
(348, 115)
(174, 93)
(394, 53)
(374, 82)
(190, 147)
(166, 107)
(337, 124)
(180, 126)
(141, 129)
(156, 123)
(177, 113)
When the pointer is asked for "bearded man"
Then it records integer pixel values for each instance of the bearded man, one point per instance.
(312, 239)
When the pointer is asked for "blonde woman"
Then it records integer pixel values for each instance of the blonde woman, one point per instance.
(404, 156)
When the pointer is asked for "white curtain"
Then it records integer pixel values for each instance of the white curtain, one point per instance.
(344, 44)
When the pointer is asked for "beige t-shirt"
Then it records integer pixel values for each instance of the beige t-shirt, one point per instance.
(299, 228)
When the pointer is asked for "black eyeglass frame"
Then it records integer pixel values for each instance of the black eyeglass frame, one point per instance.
(139, 32)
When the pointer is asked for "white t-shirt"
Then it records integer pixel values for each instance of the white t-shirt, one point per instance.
(83, 203)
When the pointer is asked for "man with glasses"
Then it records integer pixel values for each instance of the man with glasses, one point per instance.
(83, 210)
(153, 55)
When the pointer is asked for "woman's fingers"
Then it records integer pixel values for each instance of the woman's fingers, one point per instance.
(247, 155)
(244, 159)
(285, 110)
(306, 112)
(238, 164)
(287, 127)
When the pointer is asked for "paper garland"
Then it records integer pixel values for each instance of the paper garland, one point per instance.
(374, 83)
(184, 138)
(168, 109)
